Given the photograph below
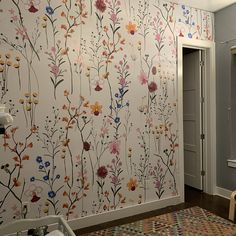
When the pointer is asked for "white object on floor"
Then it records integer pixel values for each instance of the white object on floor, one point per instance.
(55, 233)
(18, 226)
(232, 206)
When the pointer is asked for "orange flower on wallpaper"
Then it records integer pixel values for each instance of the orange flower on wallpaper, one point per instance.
(131, 28)
(66, 93)
(17, 183)
(96, 109)
(132, 184)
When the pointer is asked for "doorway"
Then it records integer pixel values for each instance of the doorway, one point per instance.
(208, 113)
(193, 117)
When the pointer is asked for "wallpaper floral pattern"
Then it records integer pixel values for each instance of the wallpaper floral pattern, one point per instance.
(92, 88)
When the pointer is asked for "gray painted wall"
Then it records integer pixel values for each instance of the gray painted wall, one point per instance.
(225, 25)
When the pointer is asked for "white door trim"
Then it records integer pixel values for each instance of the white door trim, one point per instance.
(210, 111)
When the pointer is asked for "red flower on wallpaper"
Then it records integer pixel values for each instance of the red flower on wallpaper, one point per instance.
(32, 9)
(35, 198)
(100, 5)
(152, 87)
(32, 5)
(102, 172)
(154, 70)
(86, 146)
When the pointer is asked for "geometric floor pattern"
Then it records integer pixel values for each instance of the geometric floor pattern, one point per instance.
(193, 221)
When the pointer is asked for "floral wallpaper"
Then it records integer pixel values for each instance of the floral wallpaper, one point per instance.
(91, 85)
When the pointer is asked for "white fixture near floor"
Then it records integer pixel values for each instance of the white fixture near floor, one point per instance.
(233, 50)
(5, 118)
(232, 163)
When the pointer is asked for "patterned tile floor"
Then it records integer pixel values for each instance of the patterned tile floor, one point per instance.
(189, 222)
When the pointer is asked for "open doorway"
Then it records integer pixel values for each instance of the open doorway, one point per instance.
(208, 119)
(193, 117)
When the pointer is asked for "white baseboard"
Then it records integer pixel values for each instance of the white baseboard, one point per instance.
(123, 212)
(222, 192)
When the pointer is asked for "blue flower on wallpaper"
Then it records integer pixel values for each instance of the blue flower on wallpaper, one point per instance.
(58, 176)
(121, 90)
(190, 35)
(49, 10)
(117, 119)
(183, 7)
(47, 164)
(40, 167)
(39, 159)
(46, 177)
(51, 194)
(49, 178)
(32, 179)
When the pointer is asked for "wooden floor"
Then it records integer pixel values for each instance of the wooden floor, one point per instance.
(193, 197)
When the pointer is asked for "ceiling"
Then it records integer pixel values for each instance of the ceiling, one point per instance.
(208, 5)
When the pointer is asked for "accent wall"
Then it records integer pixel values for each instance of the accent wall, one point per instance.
(91, 85)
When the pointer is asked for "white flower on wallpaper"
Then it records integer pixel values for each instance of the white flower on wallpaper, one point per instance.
(92, 88)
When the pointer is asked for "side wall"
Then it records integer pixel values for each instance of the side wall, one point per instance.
(92, 88)
(225, 93)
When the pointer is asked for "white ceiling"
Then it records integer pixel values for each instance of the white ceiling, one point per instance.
(208, 5)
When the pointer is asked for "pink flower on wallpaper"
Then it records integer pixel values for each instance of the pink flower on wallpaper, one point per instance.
(53, 49)
(100, 5)
(152, 87)
(104, 131)
(55, 69)
(149, 121)
(143, 79)
(158, 184)
(22, 32)
(115, 180)
(114, 17)
(122, 82)
(158, 38)
(14, 18)
(11, 11)
(114, 147)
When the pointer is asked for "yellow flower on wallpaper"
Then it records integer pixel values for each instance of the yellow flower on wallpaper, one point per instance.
(131, 28)
(96, 109)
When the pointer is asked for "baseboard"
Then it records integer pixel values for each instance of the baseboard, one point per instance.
(123, 212)
(222, 192)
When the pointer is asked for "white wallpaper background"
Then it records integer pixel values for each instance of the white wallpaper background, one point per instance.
(92, 88)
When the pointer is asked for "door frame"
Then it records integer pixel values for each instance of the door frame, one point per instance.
(209, 163)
